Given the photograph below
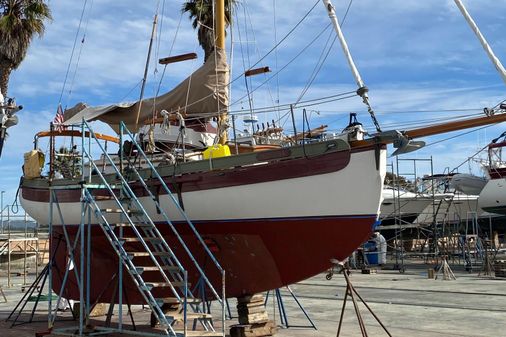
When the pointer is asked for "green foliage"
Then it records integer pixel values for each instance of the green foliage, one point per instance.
(20, 21)
(395, 181)
(67, 162)
(201, 11)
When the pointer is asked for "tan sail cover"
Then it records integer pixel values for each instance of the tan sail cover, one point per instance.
(205, 91)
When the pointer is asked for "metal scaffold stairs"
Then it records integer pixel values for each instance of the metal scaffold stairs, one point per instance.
(141, 248)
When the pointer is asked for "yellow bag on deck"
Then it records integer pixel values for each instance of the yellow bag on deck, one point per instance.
(216, 151)
(34, 162)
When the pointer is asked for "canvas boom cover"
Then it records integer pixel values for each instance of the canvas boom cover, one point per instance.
(205, 91)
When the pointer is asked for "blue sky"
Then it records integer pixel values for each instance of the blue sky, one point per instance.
(419, 59)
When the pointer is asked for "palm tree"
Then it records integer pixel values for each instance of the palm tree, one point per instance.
(201, 11)
(20, 20)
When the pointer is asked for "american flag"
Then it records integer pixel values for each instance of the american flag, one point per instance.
(58, 120)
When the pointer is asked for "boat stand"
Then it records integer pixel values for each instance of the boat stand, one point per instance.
(352, 292)
(282, 311)
(199, 289)
(37, 285)
(445, 269)
(113, 300)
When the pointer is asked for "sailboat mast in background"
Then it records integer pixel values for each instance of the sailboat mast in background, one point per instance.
(497, 63)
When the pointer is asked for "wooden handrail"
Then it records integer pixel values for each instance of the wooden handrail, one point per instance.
(75, 133)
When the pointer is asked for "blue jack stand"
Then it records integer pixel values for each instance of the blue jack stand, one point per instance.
(282, 311)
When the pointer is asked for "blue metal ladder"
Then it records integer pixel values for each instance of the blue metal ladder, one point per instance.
(133, 235)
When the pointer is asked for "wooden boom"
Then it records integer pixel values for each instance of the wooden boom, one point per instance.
(75, 133)
(440, 128)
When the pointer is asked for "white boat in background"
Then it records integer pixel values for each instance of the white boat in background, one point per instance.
(450, 207)
(467, 183)
(401, 205)
(493, 195)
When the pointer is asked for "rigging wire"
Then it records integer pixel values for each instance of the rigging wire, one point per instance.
(310, 103)
(73, 50)
(282, 40)
(426, 123)
(321, 62)
(159, 36)
(190, 78)
(276, 53)
(170, 52)
(470, 158)
(286, 65)
(83, 40)
(431, 121)
(131, 90)
(263, 57)
(315, 101)
(148, 61)
(243, 60)
(460, 135)
(318, 65)
(385, 112)
(256, 48)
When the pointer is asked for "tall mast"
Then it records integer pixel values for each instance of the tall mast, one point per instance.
(497, 63)
(219, 26)
(362, 89)
(146, 68)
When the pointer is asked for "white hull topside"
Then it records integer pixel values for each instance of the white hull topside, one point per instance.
(355, 190)
(452, 208)
(493, 196)
(403, 203)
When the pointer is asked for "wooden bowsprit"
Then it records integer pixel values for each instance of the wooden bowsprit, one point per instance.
(352, 292)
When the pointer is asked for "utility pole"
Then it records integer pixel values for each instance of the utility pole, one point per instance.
(2, 209)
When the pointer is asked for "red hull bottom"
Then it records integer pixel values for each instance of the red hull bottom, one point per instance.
(258, 255)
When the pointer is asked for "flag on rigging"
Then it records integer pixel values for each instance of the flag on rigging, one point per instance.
(59, 119)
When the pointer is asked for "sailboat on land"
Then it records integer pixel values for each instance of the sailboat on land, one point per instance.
(492, 197)
(271, 217)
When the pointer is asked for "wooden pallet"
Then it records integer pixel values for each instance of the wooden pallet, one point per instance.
(253, 330)
(253, 318)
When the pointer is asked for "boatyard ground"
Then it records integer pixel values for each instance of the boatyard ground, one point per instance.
(409, 304)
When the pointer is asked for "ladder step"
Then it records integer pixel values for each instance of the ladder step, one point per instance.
(189, 315)
(165, 284)
(174, 300)
(101, 186)
(141, 254)
(141, 269)
(119, 211)
(195, 333)
(136, 239)
(103, 197)
(127, 224)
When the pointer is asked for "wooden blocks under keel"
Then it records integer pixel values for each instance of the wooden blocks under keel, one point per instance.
(253, 318)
